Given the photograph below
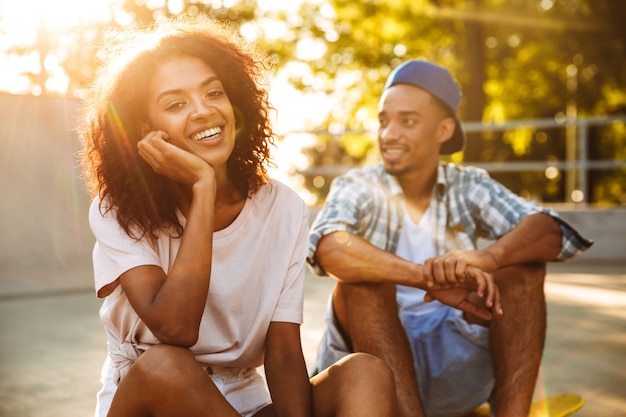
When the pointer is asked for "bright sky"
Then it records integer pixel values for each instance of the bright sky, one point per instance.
(19, 21)
(21, 17)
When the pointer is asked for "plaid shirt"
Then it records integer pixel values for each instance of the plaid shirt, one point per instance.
(466, 205)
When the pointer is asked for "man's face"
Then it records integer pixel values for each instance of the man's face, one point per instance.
(412, 129)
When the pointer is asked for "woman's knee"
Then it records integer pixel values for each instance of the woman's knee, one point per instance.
(163, 363)
(363, 368)
(366, 385)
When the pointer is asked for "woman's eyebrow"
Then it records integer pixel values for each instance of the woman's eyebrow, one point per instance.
(204, 83)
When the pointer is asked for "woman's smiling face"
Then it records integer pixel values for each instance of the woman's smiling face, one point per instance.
(187, 100)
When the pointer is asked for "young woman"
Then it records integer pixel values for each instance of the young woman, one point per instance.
(199, 256)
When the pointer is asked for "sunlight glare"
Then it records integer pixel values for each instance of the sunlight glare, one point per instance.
(21, 18)
(281, 5)
(28, 23)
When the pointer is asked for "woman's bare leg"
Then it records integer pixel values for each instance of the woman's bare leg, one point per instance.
(167, 381)
(358, 385)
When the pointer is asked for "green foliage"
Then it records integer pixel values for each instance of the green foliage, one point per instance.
(609, 188)
(520, 140)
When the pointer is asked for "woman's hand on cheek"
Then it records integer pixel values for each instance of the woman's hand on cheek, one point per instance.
(170, 160)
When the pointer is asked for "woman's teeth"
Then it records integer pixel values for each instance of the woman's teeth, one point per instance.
(207, 134)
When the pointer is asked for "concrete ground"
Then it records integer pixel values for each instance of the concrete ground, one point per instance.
(52, 344)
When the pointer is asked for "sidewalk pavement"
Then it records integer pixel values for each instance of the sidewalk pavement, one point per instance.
(52, 344)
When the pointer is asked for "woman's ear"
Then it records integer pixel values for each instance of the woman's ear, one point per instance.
(143, 128)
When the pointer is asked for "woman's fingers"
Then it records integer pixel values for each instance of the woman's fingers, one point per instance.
(169, 160)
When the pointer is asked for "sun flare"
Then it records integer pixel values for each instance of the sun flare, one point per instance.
(25, 23)
(20, 19)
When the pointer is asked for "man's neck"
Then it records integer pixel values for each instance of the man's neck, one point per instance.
(417, 187)
(419, 183)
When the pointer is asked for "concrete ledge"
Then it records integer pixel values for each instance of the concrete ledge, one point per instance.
(606, 227)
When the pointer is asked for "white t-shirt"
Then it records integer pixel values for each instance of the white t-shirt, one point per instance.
(257, 277)
(415, 244)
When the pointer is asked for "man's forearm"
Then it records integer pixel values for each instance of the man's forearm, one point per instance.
(352, 259)
(537, 238)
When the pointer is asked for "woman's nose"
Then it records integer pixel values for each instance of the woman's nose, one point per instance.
(201, 109)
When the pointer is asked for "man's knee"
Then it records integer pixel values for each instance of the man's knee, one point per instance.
(364, 308)
(527, 275)
(365, 298)
(521, 285)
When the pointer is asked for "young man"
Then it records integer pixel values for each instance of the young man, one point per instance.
(412, 286)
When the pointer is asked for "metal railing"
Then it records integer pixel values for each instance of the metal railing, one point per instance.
(576, 164)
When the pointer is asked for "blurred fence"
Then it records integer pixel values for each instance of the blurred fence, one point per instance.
(576, 165)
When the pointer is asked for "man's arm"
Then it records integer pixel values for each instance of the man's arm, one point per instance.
(536, 239)
(352, 259)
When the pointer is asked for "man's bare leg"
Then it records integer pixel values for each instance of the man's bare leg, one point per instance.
(368, 316)
(517, 339)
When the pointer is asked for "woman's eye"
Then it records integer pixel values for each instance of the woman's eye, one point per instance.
(174, 106)
(214, 93)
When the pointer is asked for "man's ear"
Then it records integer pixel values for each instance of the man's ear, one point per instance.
(446, 129)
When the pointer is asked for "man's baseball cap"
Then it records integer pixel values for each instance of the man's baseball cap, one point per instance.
(439, 82)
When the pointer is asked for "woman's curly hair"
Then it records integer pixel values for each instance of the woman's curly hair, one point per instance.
(144, 200)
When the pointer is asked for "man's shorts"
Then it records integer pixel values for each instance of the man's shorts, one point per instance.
(452, 360)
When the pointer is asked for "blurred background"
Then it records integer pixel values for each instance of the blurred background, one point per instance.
(542, 79)
(544, 99)
(544, 106)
